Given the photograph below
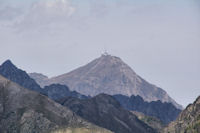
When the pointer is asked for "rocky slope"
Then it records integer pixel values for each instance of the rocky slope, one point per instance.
(25, 111)
(150, 121)
(188, 121)
(109, 74)
(166, 112)
(104, 111)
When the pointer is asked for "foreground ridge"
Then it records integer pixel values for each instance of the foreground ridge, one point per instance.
(188, 121)
(26, 111)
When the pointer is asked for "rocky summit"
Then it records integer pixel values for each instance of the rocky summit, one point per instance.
(26, 111)
(109, 74)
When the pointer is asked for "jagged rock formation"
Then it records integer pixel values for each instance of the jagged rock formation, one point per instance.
(104, 111)
(166, 112)
(57, 91)
(26, 111)
(188, 121)
(109, 74)
(11, 72)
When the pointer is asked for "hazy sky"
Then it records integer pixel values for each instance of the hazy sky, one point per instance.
(159, 39)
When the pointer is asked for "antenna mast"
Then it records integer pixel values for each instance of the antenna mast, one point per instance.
(105, 51)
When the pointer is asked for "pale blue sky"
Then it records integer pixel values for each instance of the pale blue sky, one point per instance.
(159, 39)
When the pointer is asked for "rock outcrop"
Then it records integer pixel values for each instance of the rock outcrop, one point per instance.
(188, 121)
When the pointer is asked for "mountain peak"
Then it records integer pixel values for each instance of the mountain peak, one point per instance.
(109, 63)
(11, 72)
(8, 64)
(109, 74)
(8, 61)
(109, 57)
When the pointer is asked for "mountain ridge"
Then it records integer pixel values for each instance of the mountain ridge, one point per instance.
(26, 111)
(11, 72)
(57, 91)
(166, 112)
(53, 91)
(105, 111)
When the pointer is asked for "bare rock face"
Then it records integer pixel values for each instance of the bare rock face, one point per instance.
(26, 111)
(109, 74)
(188, 121)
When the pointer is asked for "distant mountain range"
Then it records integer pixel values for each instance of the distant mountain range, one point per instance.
(26, 111)
(37, 113)
(33, 110)
(166, 112)
(108, 74)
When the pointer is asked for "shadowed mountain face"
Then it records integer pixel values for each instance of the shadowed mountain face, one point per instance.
(57, 91)
(104, 111)
(26, 111)
(110, 75)
(166, 112)
(11, 72)
(188, 121)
